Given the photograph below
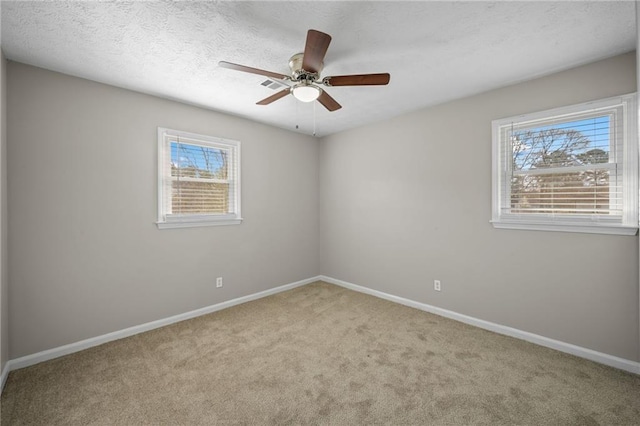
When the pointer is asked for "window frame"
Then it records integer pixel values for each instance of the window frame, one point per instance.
(626, 224)
(167, 220)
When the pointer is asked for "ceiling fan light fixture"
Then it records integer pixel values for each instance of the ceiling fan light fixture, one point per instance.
(306, 92)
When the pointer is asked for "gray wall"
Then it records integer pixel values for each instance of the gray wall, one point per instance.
(4, 277)
(86, 259)
(637, 80)
(407, 201)
(85, 255)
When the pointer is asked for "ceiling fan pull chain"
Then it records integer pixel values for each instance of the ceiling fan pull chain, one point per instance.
(314, 119)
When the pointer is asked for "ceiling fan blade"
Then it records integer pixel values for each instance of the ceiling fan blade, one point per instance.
(314, 50)
(242, 68)
(357, 80)
(274, 97)
(328, 102)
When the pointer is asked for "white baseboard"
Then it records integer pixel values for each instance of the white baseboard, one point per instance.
(26, 361)
(602, 358)
(4, 375)
(39, 357)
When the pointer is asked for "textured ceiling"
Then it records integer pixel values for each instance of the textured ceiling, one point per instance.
(434, 51)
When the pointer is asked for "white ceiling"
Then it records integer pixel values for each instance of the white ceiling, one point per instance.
(434, 51)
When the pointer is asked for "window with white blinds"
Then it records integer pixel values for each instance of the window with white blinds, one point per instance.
(568, 169)
(198, 180)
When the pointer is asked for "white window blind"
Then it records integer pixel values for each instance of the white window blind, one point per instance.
(199, 180)
(569, 169)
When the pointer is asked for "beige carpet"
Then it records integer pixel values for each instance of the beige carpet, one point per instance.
(320, 354)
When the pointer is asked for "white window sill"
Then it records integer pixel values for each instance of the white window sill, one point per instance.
(197, 223)
(600, 228)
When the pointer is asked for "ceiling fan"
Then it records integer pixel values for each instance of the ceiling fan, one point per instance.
(304, 80)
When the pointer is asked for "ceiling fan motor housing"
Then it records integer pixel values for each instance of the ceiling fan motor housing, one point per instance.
(298, 74)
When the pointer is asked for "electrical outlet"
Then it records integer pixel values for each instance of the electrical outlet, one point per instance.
(436, 285)
(219, 282)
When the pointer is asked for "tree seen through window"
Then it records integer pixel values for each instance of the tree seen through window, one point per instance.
(562, 168)
(200, 177)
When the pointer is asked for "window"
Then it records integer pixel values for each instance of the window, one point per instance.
(569, 169)
(198, 180)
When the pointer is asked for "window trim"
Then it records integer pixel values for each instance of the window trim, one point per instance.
(195, 220)
(626, 225)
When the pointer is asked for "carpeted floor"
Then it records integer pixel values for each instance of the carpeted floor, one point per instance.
(320, 354)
